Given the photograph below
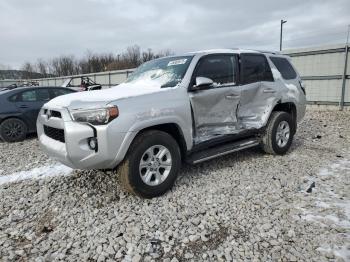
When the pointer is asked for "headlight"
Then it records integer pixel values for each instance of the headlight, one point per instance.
(98, 116)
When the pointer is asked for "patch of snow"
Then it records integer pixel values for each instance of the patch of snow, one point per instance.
(332, 208)
(331, 219)
(37, 173)
(322, 204)
(341, 252)
(324, 172)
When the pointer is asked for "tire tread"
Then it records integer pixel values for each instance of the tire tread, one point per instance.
(125, 166)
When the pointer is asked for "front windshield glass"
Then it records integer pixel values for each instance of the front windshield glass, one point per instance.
(163, 72)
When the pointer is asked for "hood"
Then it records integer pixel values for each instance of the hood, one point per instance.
(103, 96)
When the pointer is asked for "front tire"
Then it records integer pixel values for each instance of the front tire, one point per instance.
(278, 135)
(13, 130)
(151, 165)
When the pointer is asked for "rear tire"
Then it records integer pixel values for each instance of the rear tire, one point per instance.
(279, 132)
(151, 165)
(13, 130)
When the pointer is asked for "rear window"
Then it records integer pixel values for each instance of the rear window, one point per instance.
(285, 68)
(255, 68)
(59, 92)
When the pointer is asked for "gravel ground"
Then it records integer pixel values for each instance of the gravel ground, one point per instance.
(245, 206)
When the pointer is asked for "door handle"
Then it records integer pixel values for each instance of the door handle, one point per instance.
(269, 90)
(23, 106)
(232, 96)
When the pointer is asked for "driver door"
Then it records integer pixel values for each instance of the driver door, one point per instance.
(214, 106)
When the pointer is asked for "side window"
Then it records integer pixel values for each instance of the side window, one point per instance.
(255, 68)
(35, 95)
(42, 95)
(60, 92)
(28, 96)
(13, 98)
(285, 68)
(219, 68)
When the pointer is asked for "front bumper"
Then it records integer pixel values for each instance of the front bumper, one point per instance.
(74, 151)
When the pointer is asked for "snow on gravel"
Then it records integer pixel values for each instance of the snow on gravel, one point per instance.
(37, 173)
(247, 206)
(332, 206)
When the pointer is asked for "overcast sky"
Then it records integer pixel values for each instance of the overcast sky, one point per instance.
(31, 29)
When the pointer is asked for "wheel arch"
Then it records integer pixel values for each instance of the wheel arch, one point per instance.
(14, 117)
(290, 108)
(172, 129)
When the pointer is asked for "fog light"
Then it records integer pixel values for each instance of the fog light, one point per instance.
(93, 143)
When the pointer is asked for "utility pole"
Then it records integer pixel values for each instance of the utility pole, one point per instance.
(344, 73)
(282, 22)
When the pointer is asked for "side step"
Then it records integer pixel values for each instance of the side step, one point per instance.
(221, 150)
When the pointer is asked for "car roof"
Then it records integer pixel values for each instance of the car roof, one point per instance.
(23, 88)
(232, 51)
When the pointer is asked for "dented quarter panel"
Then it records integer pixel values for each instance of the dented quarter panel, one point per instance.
(292, 92)
(259, 99)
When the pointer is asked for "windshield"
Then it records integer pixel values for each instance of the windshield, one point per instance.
(163, 72)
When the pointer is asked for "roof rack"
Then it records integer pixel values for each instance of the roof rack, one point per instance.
(256, 50)
(268, 52)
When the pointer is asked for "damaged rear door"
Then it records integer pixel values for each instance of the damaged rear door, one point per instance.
(214, 106)
(259, 92)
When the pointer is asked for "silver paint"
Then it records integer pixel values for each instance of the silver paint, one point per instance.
(200, 115)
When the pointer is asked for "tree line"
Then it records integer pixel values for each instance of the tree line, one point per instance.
(91, 62)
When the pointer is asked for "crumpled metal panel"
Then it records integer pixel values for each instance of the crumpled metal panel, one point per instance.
(214, 114)
(256, 105)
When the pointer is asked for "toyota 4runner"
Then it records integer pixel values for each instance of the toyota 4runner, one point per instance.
(188, 108)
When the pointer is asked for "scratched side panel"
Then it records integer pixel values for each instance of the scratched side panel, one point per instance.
(214, 115)
(256, 105)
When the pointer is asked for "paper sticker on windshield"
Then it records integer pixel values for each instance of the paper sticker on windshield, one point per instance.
(177, 62)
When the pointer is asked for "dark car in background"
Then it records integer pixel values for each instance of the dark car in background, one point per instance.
(19, 109)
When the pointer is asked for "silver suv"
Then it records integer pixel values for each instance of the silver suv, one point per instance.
(188, 108)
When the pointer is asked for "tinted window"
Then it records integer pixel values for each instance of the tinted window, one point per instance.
(28, 96)
(60, 92)
(13, 98)
(35, 95)
(284, 67)
(255, 68)
(219, 68)
(42, 94)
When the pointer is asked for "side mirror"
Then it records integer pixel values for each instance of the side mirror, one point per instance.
(202, 82)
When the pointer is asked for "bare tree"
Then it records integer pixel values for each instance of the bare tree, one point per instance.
(147, 55)
(55, 67)
(132, 55)
(28, 70)
(67, 65)
(93, 62)
(42, 67)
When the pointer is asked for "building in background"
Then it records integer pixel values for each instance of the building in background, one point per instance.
(322, 69)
